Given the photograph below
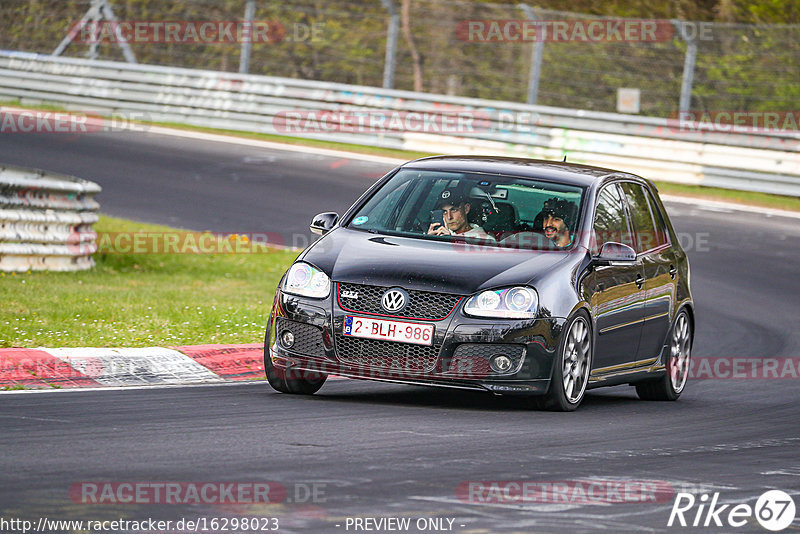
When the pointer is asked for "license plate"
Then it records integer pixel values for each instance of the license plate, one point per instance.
(420, 334)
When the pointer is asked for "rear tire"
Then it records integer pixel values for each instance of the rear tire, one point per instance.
(292, 380)
(572, 367)
(671, 385)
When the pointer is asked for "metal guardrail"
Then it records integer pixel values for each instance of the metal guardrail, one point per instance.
(655, 148)
(46, 221)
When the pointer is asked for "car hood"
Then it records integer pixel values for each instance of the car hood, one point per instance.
(360, 257)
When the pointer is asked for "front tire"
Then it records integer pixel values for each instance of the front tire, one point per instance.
(670, 386)
(572, 367)
(292, 380)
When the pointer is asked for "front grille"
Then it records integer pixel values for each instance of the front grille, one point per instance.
(307, 337)
(421, 304)
(472, 359)
(386, 355)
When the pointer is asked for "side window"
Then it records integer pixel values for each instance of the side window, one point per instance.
(662, 234)
(610, 219)
(640, 215)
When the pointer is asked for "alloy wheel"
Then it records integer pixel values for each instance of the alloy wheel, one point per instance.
(575, 372)
(680, 352)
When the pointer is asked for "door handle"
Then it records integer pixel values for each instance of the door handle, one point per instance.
(639, 281)
(672, 271)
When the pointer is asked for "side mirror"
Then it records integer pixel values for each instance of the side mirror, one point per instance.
(323, 222)
(613, 252)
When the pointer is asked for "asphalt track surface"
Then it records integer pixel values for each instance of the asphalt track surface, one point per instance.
(379, 450)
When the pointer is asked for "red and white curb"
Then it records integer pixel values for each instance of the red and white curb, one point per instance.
(44, 368)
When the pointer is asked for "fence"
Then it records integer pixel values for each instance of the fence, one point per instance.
(46, 221)
(428, 47)
(660, 149)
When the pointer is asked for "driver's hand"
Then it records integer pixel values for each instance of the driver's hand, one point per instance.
(438, 229)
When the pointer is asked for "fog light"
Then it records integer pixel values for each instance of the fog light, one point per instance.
(287, 339)
(500, 363)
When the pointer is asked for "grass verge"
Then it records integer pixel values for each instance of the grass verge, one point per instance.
(136, 300)
(750, 198)
(710, 193)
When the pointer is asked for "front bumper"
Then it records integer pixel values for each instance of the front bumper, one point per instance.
(458, 358)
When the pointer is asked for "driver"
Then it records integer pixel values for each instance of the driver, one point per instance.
(455, 206)
(559, 220)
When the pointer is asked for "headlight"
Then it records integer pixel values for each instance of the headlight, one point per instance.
(509, 303)
(303, 279)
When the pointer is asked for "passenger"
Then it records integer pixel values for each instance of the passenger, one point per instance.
(559, 220)
(456, 206)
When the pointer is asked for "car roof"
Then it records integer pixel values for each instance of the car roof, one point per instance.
(557, 171)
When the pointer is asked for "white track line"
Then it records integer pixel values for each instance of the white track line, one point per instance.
(214, 384)
(219, 138)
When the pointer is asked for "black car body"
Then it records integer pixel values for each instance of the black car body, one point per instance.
(511, 313)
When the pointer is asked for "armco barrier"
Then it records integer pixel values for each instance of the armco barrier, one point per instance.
(653, 147)
(46, 221)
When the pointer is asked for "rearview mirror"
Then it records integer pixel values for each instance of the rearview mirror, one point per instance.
(323, 222)
(613, 252)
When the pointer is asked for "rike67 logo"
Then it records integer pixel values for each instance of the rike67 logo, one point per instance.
(774, 510)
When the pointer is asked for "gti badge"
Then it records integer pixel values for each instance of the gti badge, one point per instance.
(349, 294)
(394, 300)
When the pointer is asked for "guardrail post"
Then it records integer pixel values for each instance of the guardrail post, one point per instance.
(247, 37)
(688, 67)
(536, 56)
(391, 44)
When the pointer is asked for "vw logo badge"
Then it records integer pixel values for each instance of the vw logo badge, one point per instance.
(394, 300)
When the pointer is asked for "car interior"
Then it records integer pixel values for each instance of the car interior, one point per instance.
(507, 209)
(502, 219)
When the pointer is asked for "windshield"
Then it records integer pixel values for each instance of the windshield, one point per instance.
(494, 210)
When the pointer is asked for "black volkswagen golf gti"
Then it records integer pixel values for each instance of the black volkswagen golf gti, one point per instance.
(512, 276)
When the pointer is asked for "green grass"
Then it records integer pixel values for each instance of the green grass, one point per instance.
(712, 193)
(730, 195)
(136, 300)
